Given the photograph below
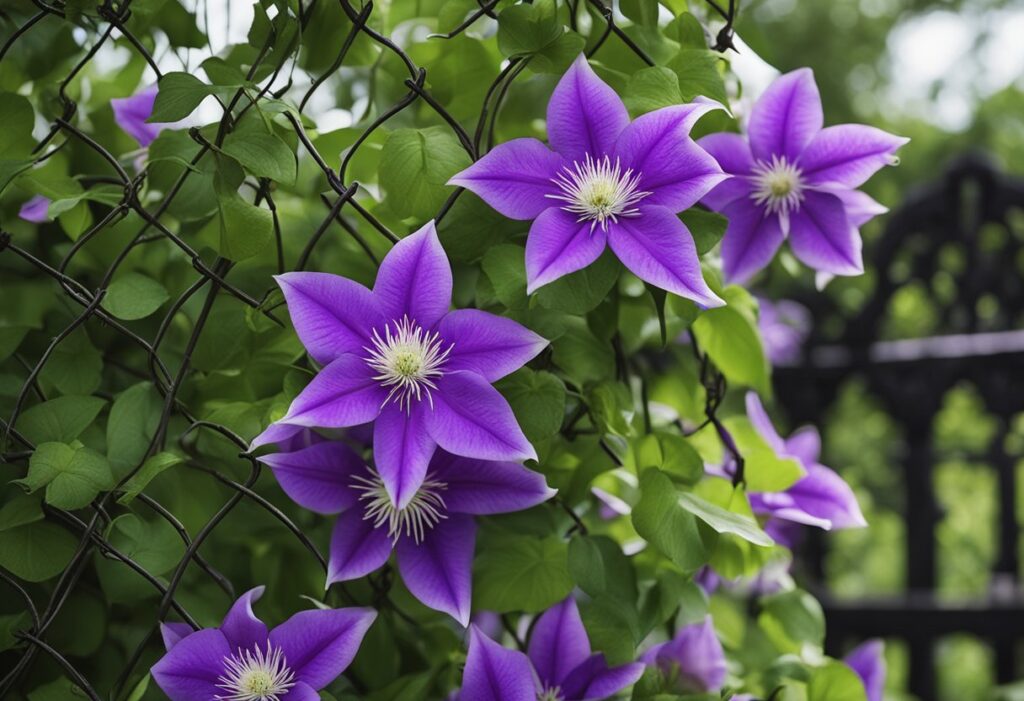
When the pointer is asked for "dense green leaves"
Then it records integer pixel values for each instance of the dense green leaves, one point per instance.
(415, 165)
(134, 296)
(660, 519)
(521, 572)
(179, 94)
(62, 419)
(73, 476)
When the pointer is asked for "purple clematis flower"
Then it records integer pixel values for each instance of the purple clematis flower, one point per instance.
(693, 661)
(132, 113)
(559, 665)
(795, 179)
(784, 326)
(398, 357)
(821, 498)
(35, 210)
(432, 536)
(868, 661)
(242, 660)
(607, 181)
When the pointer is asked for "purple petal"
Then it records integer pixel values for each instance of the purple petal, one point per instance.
(331, 314)
(822, 237)
(558, 245)
(483, 487)
(189, 671)
(131, 113)
(472, 419)
(594, 681)
(302, 692)
(240, 626)
(698, 655)
(804, 445)
(515, 178)
(493, 673)
(275, 433)
(319, 644)
(357, 548)
(750, 241)
(784, 326)
(733, 155)
(35, 210)
(848, 154)
(558, 643)
(786, 117)
(438, 569)
(860, 208)
(761, 422)
(319, 477)
(342, 394)
(675, 170)
(659, 249)
(585, 116)
(868, 661)
(173, 633)
(823, 494)
(402, 449)
(415, 279)
(491, 346)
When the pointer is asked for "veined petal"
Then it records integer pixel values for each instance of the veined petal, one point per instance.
(320, 644)
(240, 626)
(848, 154)
(402, 448)
(762, 423)
(514, 177)
(804, 445)
(331, 314)
(35, 210)
(593, 680)
(491, 346)
(415, 279)
(438, 570)
(488, 487)
(190, 670)
(558, 245)
(672, 167)
(131, 114)
(786, 117)
(823, 494)
(751, 240)
(342, 394)
(302, 692)
(173, 633)
(659, 249)
(319, 477)
(472, 419)
(584, 115)
(558, 643)
(733, 155)
(868, 661)
(494, 673)
(276, 432)
(357, 548)
(860, 208)
(822, 236)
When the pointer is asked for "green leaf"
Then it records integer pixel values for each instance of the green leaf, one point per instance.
(18, 118)
(415, 166)
(611, 405)
(149, 470)
(178, 95)
(660, 520)
(723, 521)
(134, 296)
(672, 454)
(538, 401)
(245, 229)
(75, 367)
(583, 356)
(62, 419)
(505, 267)
(650, 89)
(731, 340)
(526, 29)
(764, 470)
(263, 154)
(154, 545)
(557, 56)
(697, 70)
(599, 567)
(707, 228)
(37, 551)
(472, 228)
(72, 476)
(21, 509)
(582, 291)
(130, 427)
(613, 627)
(792, 620)
(521, 573)
(835, 681)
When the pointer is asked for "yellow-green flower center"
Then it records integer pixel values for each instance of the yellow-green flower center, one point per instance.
(407, 361)
(778, 186)
(598, 190)
(424, 511)
(255, 675)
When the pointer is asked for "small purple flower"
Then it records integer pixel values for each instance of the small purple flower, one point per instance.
(433, 535)
(35, 210)
(132, 113)
(396, 356)
(607, 181)
(868, 661)
(821, 498)
(693, 661)
(243, 660)
(794, 179)
(558, 665)
(784, 326)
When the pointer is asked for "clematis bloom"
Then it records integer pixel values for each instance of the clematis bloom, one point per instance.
(604, 181)
(692, 661)
(794, 179)
(132, 115)
(868, 661)
(35, 210)
(397, 357)
(558, 665)
(242, 659)
(432, 536)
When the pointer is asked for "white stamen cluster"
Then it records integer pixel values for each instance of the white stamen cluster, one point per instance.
(424, 511)
(408, 360)
(550, 693)
(597, 190)
(255, 675)
(778, 186)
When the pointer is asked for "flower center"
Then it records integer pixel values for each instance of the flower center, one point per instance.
(778, 186)
(424, 511)
(407, 360)
(255, 675)
(597, 190)
(550, 693)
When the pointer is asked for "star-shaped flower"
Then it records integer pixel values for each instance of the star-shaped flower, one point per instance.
(397, 356)
(606, 182)
(244, 661)
(559, 665)
(433, 535)
(132, 115)
(794, 179)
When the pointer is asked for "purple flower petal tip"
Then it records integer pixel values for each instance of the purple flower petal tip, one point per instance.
(35, 210)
